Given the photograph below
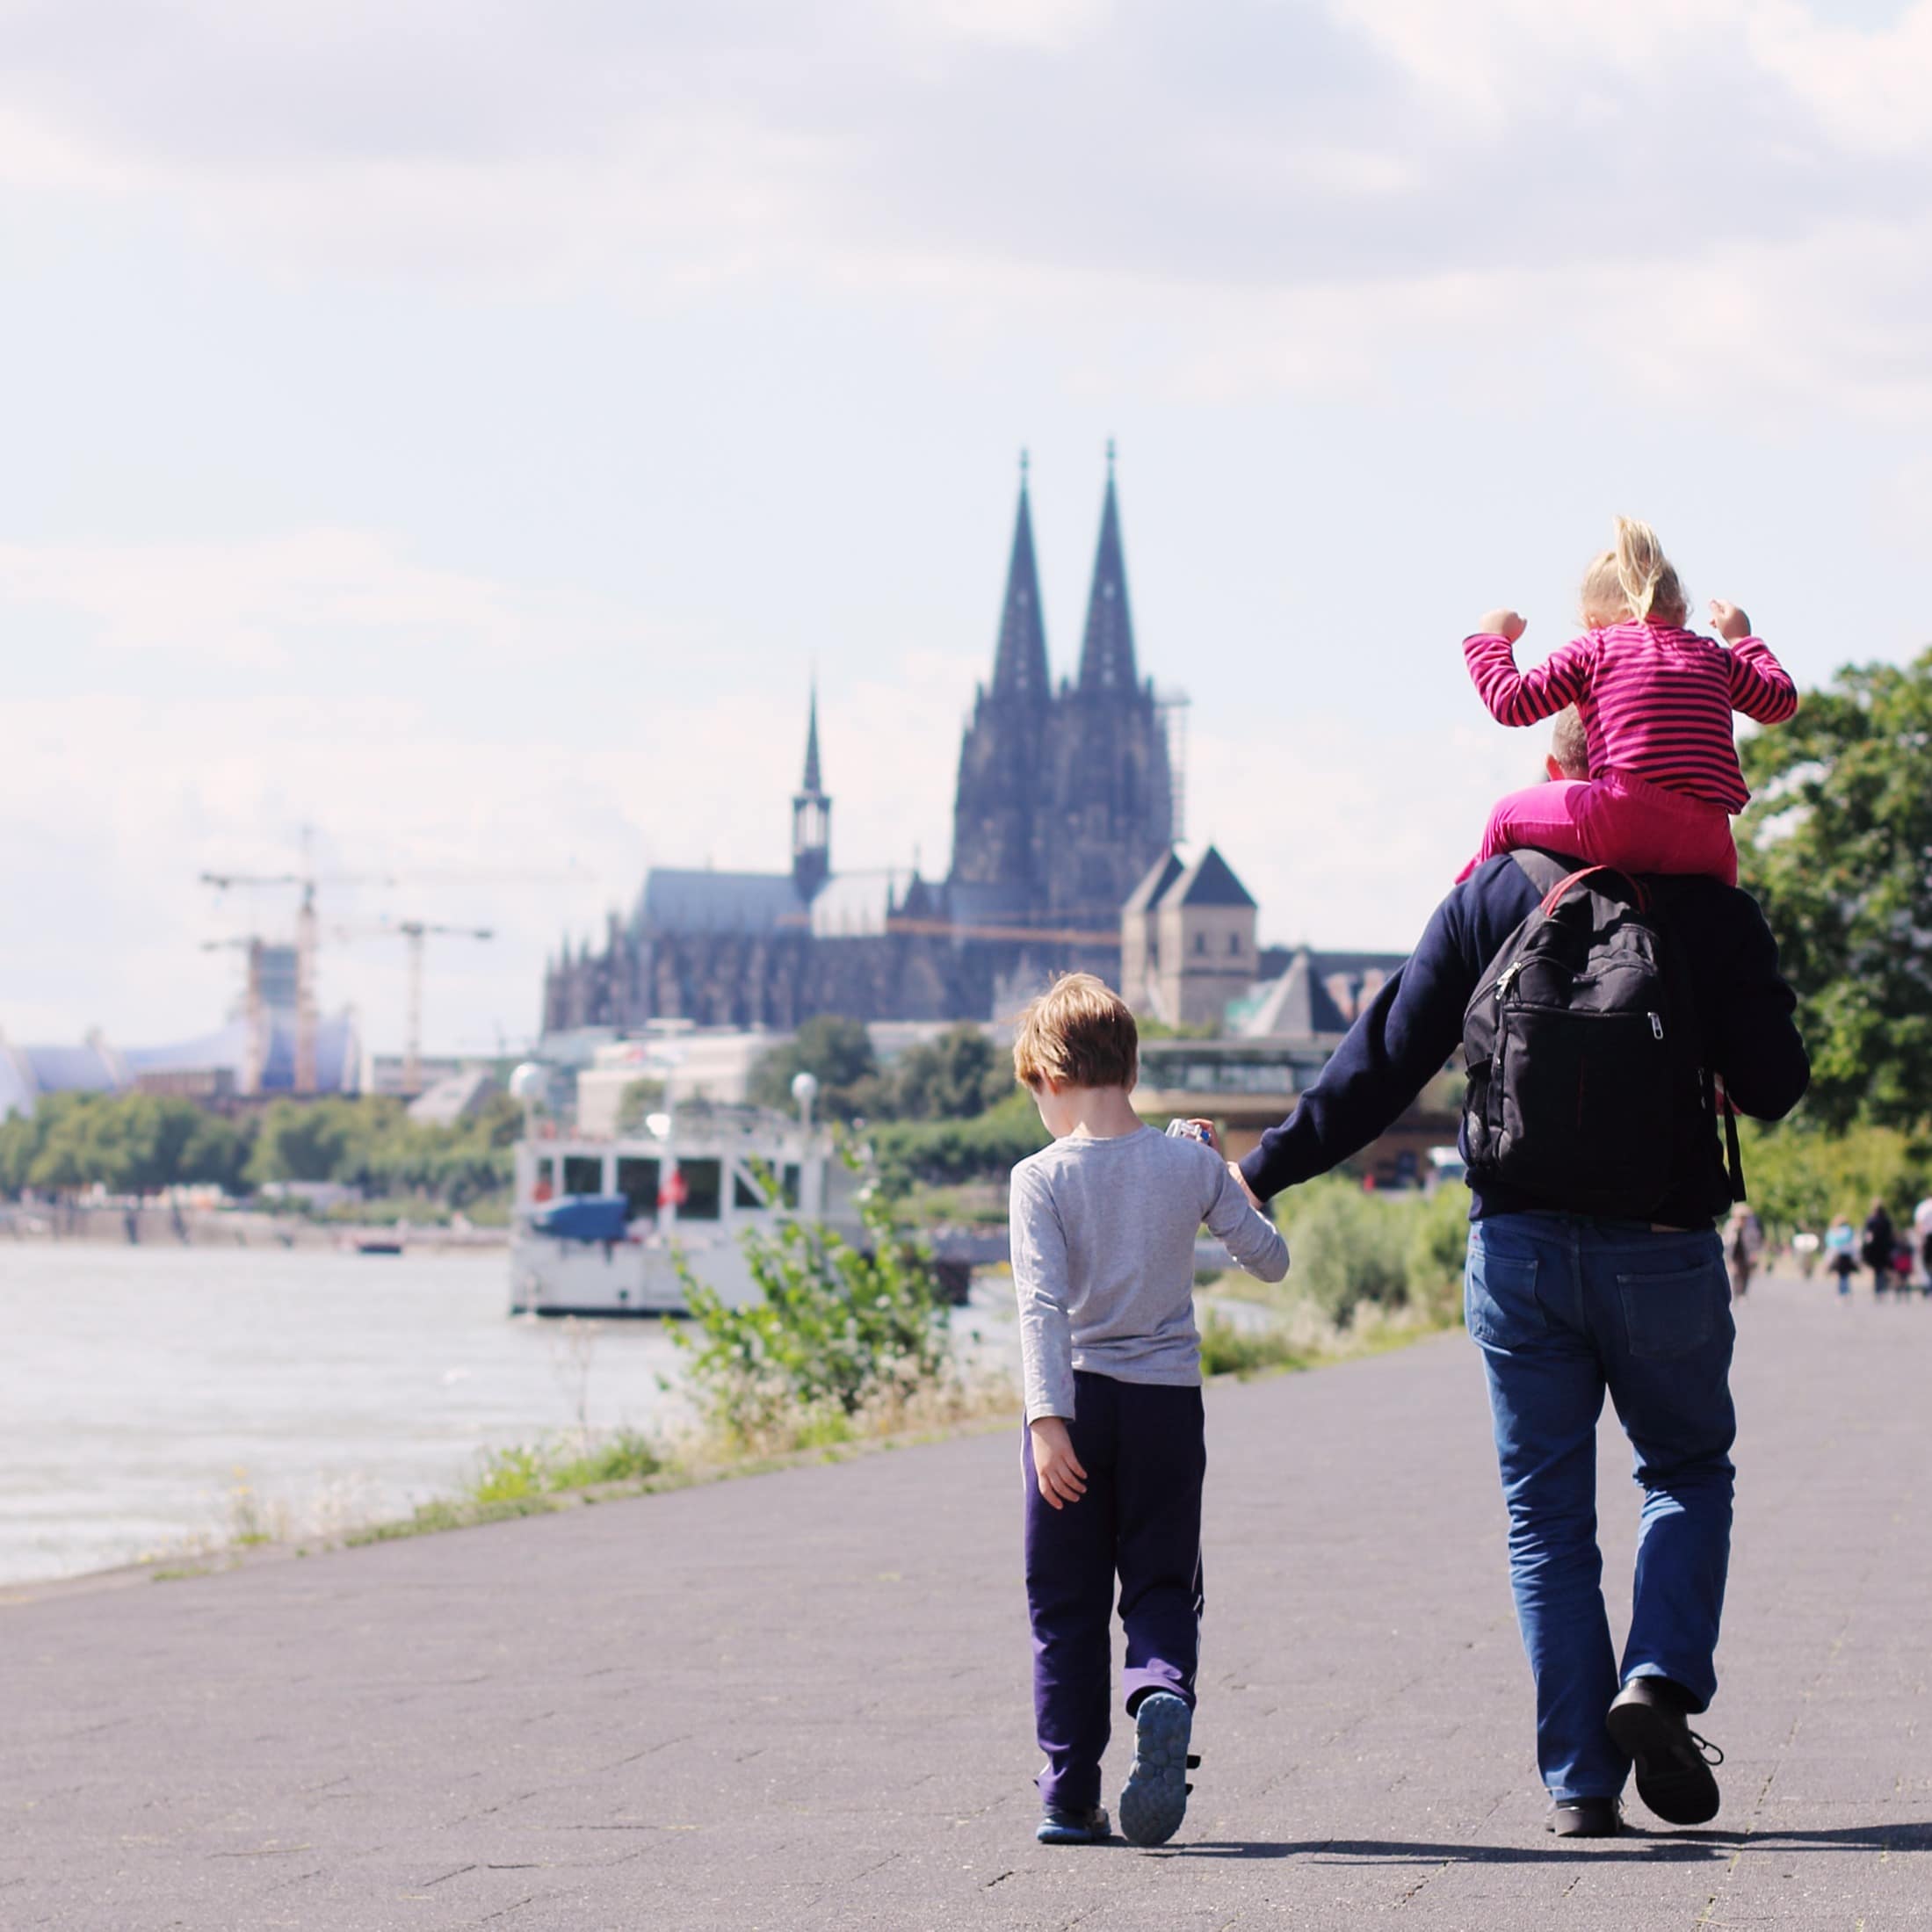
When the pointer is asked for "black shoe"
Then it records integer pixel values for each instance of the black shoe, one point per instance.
(1064, 1827)
(1586, 1818)
(1673, 1763)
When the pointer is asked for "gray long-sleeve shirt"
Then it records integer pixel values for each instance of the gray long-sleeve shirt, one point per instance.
(1104, 1235)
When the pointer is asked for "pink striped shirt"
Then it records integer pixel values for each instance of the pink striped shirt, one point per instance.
(1655, 701)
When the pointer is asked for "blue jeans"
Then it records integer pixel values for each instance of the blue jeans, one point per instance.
(1562, 1308)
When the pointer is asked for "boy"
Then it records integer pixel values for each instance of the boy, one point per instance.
(1104, 1226)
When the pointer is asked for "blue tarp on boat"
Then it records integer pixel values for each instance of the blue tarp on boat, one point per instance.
(584, 1218)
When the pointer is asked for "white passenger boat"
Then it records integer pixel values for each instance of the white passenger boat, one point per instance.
(597, 1220)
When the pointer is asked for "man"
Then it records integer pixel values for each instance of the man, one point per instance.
(1564, 1306)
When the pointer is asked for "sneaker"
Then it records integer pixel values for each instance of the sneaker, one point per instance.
(1064, 1827)
(1586, 1818)
(1153, 1800)
(1673, 1763)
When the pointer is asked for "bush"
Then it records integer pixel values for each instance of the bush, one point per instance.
(1226, 1349)
(837, 1330)
(1350, 1247)
(1346, 1247)
(941, 1153)
(511, 1475)
(1799, 1176)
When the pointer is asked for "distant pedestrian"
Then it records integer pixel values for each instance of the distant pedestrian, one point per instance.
(1839, 1244)
(1804, 1247)
(1743, 1240)
(1876, 1245)
(1922, 1227)
(1104, 1226)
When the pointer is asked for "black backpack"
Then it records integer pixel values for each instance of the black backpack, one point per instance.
(1587, 1086)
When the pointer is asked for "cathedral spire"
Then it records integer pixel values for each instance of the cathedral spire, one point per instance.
(812, 784)
(1019, 665)
(1106, 654)
(811, 817)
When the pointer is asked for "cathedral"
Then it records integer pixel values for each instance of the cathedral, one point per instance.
(1065, 799)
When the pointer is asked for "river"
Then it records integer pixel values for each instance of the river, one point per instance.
(158, 1401)
(153, 1400)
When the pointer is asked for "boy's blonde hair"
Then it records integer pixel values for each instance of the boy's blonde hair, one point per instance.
(1080, 1032)
(1633, 579)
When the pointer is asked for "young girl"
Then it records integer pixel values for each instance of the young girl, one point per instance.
(1655, 700)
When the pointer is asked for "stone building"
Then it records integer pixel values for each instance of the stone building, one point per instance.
(1187, 941)
(1064, 798)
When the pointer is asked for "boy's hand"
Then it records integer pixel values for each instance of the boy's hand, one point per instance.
(1507, 624)
(1209, 1138)
(1062, 1479)
(1730, 622)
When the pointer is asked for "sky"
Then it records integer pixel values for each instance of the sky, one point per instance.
(465, 430)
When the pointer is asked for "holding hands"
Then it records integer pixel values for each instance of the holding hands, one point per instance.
(1731, 623)
(1502, 622)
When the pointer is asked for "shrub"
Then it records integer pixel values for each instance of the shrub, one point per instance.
(944, 1152)
(1800, 1177)
(837, 1330)
(1226, 1349)
(1350, 1247)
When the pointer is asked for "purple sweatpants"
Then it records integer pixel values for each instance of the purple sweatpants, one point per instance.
(1142, 1446)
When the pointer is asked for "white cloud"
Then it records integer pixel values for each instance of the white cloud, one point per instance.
(114, 805)
(252, 602)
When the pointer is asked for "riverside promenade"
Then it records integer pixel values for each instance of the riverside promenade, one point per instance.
(800, 1700)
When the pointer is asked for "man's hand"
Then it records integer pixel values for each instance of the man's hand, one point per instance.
(1507, 624)
(1240, 1181)
(1732, 624)
(1055, 1466)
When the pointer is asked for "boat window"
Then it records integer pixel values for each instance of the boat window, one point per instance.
(791, 1184)
(703, 1189)
(583, 1174)
(637, 1181)
(744, 1194)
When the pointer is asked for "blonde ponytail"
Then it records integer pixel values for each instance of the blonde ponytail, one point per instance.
(1633, 580)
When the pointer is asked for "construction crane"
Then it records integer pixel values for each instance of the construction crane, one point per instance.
(307, 1009)
(413, 931)
(306, 1021)
(255, 1057)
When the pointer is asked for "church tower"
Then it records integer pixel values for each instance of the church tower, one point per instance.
(811, 818)
(998, 806)
(1111, 810)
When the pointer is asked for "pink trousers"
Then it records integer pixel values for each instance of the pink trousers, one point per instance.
(1617, 821)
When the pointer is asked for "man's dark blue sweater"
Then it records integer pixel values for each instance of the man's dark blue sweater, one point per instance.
(1414, 1023)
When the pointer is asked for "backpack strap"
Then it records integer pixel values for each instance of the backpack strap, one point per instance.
(1542, 871)
(1553, 877)
(1733, 1153)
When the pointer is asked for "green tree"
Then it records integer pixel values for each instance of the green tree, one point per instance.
(838, 1053)
(1837, 846)
(955, 1077)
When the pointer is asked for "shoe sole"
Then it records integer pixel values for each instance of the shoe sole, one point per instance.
(1153, 1800)
(1680, 1792)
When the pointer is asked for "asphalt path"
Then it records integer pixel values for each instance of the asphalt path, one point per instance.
(800, 1700)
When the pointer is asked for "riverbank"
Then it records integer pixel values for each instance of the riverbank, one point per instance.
(234, 1227)
(581, 1467)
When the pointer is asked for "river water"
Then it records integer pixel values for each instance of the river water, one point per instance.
(152, 1400)
(157, 1401)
